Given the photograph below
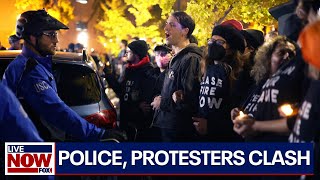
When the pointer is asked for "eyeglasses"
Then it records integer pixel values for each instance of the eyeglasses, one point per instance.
(51, 35)
(217, 41)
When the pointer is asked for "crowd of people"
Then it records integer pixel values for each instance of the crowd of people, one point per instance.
(231, 90)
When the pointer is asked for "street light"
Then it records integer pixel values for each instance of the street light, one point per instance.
(83, 38)
(82, 1)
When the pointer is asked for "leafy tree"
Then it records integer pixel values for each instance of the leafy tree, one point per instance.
(130, 18)
(62, 9)
(208, 13)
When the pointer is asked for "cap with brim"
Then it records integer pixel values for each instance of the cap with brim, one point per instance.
(162, 48)
(282, 9)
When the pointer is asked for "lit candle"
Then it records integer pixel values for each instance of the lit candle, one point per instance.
(241, 115)
(286, 109)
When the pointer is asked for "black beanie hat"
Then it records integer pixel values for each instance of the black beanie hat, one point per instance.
(253, 37)
(139, 47)
(233, 37)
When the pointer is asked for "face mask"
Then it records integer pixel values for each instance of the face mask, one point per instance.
(162, 61)
(216, 51)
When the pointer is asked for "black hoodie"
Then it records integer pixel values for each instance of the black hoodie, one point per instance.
(183, 74)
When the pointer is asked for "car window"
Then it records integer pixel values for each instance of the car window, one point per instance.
(3, 65)
(77, 85)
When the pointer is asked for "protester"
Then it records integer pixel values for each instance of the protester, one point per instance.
(307, 125)
(182, 80)
(244, 82)
(279, 87)
(215, 93)
(30, 77)
(14, 42)
(284, 125)
(162, 57)
(119, 64)
(71, 47)
(234, 23)
(78, 47)
(136, 91)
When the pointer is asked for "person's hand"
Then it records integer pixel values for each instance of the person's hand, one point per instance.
(178, 96)
(244, 125)
(234, 113)
(117, 134)
(145, 107)
(156, 103)
(201, 125)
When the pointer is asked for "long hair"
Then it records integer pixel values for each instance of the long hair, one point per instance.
(262, 61)
(231, 63)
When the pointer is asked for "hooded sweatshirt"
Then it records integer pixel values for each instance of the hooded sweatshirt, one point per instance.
(183, 74)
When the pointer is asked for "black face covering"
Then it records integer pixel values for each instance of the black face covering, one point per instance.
(216, 52)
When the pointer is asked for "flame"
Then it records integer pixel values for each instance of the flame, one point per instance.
(241, 114)
(286, 109)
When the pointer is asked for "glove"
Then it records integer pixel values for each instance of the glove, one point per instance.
(115, 134)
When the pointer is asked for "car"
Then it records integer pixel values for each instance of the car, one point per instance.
(79, 86)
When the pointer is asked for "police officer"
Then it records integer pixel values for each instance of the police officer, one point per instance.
(15, 126)
(14, 122)
(30, 77)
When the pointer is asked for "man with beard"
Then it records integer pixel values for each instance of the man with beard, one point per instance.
(30, 77)
(178, 100)
(136, 91)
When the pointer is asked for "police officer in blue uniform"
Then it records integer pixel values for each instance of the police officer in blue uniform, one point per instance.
(30, 77)
(12, 115)
(15, 126)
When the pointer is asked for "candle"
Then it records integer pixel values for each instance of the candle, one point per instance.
(241, 114)
(286, 109)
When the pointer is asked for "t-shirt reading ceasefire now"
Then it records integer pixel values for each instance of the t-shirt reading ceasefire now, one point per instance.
(214, 103)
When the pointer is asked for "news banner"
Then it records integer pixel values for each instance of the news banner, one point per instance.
(23, 158)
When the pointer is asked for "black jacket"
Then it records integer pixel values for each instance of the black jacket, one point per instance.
(287, 85)
(183, 74)
(137, 87)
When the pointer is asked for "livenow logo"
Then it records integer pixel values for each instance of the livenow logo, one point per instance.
(23, 158)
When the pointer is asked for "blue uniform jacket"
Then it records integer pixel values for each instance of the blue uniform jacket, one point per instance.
(14, 122)
(38, 89)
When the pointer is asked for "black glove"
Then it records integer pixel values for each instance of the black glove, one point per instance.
(114, 134)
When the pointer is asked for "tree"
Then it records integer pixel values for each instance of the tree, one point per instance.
(208, 13)
(130, 18)
(62, 9)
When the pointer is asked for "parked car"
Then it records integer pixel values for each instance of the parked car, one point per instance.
(79, 86)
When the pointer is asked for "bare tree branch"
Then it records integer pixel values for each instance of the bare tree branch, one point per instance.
(224, 16)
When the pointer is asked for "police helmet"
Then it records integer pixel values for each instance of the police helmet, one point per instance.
(35, 22)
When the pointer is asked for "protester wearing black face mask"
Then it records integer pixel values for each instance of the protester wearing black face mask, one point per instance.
(221, 66)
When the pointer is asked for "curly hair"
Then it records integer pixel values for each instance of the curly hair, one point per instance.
(262, 60)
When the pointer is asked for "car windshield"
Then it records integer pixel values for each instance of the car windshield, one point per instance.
(77, 85)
